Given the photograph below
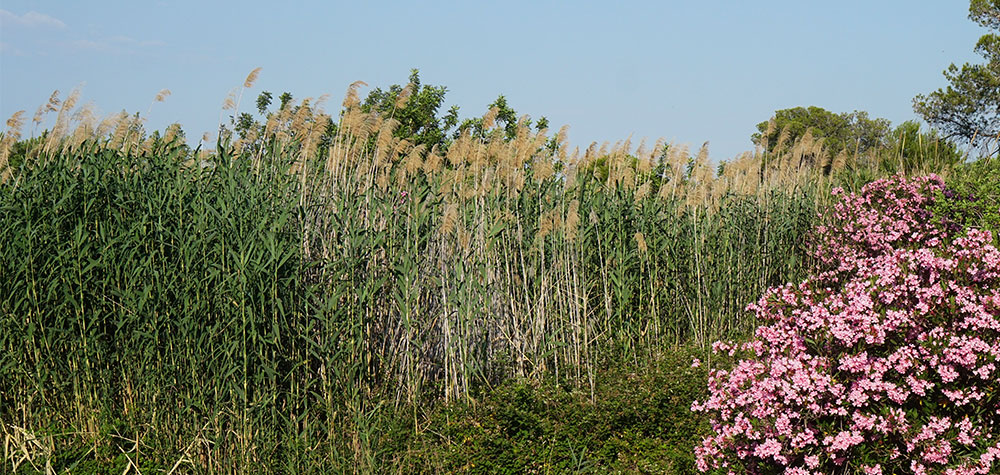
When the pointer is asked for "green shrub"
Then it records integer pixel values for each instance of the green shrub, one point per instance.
(971, 198)
(637, 422)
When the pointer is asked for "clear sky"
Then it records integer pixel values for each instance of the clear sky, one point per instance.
(688, 71)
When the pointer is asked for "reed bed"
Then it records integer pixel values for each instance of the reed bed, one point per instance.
(271, 300)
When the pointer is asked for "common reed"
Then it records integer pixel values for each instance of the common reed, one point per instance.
(274, 297)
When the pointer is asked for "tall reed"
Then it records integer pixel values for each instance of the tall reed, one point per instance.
(269, 301)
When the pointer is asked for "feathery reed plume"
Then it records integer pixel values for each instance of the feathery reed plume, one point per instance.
(772, 124)
(839, 161)
(401, 149)
(545, 226)
(626, 176)
(543, 170)
(320, 104)
(642, 192)
(39, 114)
(251, 78)
(640, 242)
(626, 147)
(162, 95)
(230, 101)
(61, 126)
(351, 98)
(489, 119)
(433, 161)
(449, 218)
(783, 137)
(10, 137)
(300, 121)
(382, 180)
(464, 237)
(641, 152)
(413, 162)
(84, 116)
(172, 132)
(404, 96)
(603, 150)
(562, 135)
(106, 126)
(701, 177)
(658, 148)
(248, 83)
(570, 174)
(119, 124)
(51, 106)
(572, 222)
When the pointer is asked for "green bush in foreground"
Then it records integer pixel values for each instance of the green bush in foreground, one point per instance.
(633, 422)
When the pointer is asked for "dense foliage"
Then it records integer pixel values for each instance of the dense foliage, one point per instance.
(967, 108)
(370, 294)
(882, 362)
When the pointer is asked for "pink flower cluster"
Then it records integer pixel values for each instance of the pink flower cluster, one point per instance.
(885, 361)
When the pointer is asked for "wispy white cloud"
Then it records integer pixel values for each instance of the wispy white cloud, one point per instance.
(67, 40)
(30, 20)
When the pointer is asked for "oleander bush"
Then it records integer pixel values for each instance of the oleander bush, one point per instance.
(883, 361)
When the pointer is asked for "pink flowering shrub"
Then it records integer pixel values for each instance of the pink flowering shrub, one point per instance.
(885, 361)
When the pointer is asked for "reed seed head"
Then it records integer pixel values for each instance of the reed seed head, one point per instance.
(251, 78)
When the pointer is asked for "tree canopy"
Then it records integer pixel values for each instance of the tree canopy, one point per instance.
(855, 131)
(968, 109)
(415, 106)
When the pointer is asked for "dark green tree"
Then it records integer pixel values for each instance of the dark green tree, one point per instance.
(968, 109)
(505, 119)
(854, 132)
(416, 107)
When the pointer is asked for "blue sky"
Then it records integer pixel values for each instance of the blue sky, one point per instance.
(687, 71)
